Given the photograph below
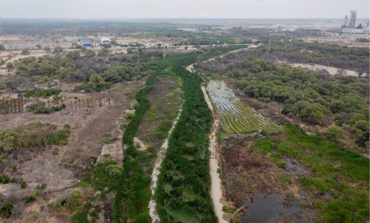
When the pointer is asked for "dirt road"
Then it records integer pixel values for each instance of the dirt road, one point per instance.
(216, 187)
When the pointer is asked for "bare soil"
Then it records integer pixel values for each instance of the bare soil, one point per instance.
(61, 167)
(246, 173)
(251, 180)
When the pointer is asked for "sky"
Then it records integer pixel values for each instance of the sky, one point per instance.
(124, 9)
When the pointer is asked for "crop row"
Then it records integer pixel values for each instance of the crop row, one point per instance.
(237, 118)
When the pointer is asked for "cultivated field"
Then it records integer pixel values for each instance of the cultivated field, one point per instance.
(235, 116)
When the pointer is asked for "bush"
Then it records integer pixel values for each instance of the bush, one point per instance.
(41, 108)
(361, 130)
(45, 93)
(334, 133)
(58, 50)
(5, 179)
(312, 113)
(34, 135)
(7, 210)
(9, 66)
(96, 83)
(25, 52)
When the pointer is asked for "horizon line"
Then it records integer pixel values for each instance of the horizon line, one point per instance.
(169, 18)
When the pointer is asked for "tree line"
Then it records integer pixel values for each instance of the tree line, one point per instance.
(317, 99)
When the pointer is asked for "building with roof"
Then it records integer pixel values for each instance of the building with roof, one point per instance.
(85, 43)
(105, 41)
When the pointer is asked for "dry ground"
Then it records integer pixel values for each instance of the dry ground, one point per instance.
(60, 167)
(246, 173)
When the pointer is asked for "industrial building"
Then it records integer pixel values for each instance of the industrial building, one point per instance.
(349, 25)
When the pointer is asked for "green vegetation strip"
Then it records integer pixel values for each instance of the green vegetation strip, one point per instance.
(133, 195)
(337, 172)
(183, 187)
(184, 183)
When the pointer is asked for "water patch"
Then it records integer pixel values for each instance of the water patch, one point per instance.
(264, 210)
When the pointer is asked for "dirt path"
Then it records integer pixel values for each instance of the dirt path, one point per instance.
(156, 171)
(216, 186)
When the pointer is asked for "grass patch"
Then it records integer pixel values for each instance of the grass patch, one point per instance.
(81, 216)
(337, 171)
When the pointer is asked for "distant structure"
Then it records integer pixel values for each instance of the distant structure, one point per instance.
(85, 43)
(105, 41)
(349, 25)
(345, 23)
(352, 21)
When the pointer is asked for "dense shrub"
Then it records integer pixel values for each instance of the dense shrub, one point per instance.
(6, 211)
(312, 113)
(42, 92)
(42, 108)
(30, 136)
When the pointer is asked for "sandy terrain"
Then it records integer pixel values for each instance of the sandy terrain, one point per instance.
(331, 70)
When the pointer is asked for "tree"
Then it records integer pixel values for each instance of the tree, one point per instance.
(103, 52)
(74, 55)
(47, 49)
(25, 52)
(58, 50)
(89, 53)
(97, 82)
(2, 47)
(9, 67)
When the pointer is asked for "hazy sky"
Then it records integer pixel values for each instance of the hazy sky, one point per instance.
(107, 9)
